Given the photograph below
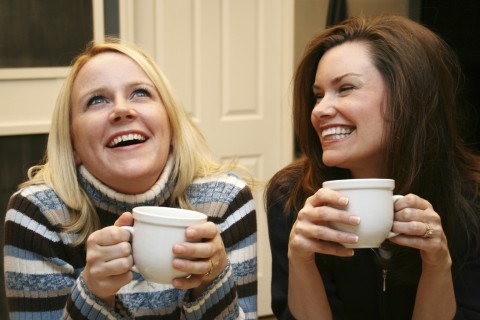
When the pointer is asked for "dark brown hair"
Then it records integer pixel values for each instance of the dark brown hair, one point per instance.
(425, 154)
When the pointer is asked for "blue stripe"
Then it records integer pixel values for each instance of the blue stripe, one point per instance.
(37, 282)
(248, 241)
(45, 200)
(215, 191)
(245, 268)
(147, 300)
(54, 314)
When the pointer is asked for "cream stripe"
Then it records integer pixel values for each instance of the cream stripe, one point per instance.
(243, 254)
(35, 266)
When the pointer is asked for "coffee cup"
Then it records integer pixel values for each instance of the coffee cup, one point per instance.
(154, 233)
(373, 201)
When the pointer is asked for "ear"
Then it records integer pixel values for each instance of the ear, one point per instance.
(76, 157)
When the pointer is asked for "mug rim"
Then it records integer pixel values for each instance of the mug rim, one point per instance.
(360, 184)
(168, 215)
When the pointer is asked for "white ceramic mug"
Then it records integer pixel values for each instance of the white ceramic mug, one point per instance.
(154, 233)
(372, 200)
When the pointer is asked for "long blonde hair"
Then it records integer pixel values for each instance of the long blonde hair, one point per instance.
(192, 155)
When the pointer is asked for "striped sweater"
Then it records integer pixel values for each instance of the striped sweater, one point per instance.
(43, 272)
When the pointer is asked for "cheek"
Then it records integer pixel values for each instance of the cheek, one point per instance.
(314, 120)
(80, 138)
(76, 155)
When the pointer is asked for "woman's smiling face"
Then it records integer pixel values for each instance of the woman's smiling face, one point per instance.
(120, 128)
(349, 111)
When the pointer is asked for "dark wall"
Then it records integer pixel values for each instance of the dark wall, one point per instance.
(18, 153)
(458, 24)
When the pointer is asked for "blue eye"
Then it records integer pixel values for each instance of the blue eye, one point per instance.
(141, 93)
(96, 100)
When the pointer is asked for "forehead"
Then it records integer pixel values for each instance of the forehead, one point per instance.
(347, 57)
(114, 62)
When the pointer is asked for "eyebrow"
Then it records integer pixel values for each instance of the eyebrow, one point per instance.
(337, 79)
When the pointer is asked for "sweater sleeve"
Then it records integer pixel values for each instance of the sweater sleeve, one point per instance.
(278, 232)
(41, 269)
(233, 295)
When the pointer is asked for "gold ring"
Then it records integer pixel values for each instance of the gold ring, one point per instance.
(428, 230)
(211, 268)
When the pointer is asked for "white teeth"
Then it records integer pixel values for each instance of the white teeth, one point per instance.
(126, 137)
(336, 132)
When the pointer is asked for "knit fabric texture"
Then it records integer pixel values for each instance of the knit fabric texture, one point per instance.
(43, 272)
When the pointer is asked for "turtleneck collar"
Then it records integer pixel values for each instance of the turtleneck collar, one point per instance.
(104, 197)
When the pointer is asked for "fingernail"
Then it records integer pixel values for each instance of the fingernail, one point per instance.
(179, 248)
(178, 263)
(191, 233)
(353, 238)
(343, 201)
(354, 219)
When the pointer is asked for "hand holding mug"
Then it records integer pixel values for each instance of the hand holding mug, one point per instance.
(421, 228)
(312, 231)
(155, 232)
(372, 200)
(203, 257)
(109, 260)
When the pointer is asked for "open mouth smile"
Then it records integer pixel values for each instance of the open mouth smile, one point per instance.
(336, 133)
(127, 140)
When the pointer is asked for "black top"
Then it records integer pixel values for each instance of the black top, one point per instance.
(355, 285)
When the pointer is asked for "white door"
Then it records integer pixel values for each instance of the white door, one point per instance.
(230, 62)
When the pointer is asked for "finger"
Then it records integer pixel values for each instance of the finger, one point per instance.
(325, 196)
(186, 283)
(207, 230)
(321, 232)
(412, 228)
(101, 254)
(193, 267)
(327, 214)
(113, 267)
(300, 245)
(126, 219)
(412, 201)
(108, 236)
(199, 250)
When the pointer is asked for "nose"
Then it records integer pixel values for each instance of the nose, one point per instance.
(324, 107)
(122, 111)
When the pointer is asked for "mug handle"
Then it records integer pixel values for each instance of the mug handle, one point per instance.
(393, 234)
(132, 231)
(129, 229)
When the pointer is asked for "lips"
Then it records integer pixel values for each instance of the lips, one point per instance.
(126, 140)
(336, 133)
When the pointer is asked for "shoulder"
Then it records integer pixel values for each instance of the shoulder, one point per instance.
(220, 194)
(38, 202)
(284, 181)
(289, 175)
(219, 188)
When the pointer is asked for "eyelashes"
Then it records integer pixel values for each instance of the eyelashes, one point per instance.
(96, 99)
(142, 92)
(138, 93)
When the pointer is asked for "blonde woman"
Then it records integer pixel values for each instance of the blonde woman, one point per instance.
(119, 139)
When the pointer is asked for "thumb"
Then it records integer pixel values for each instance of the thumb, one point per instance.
(126, 219)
